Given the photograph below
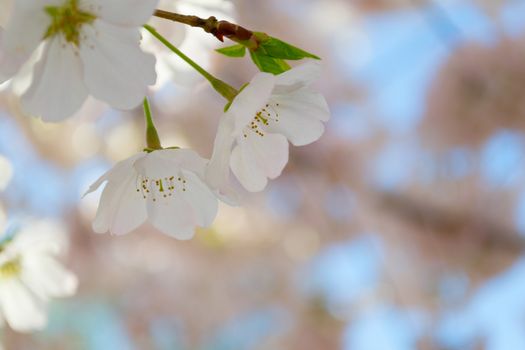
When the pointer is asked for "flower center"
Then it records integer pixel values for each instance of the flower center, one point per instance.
(67, 20)
(262, 119)
(11, 268)
(160, 188)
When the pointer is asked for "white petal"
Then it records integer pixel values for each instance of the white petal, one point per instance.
(305, 101)
(22, 80)
(27, 26)
(9, 63)
(246, 170)
(251, 100)
(173, 217)
(107, 207)
(270, 152)
(116, 174)
(46, 277)
(157, 165)
(122, 209)
(58, 89)
(22, 310)
(257, 158)
(298, 77)
(119, 198)
(5, 11)
(40, 237)
(190, 160)
(218, 169)
(132, 13)
(229, 195)
(202, 200)
(166, 162)
(300, 116)
(116, 70)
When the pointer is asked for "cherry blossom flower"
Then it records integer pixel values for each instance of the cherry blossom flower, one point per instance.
(89, 47)
(268, 113)
(164, 187)
(30, 275)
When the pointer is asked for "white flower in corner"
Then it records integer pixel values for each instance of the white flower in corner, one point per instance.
(165, 187)
(268, 113)
(30, 275)
(90, 47)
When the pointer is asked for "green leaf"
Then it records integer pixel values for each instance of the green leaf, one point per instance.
(233, 51)
(269, 64)
(51, 10)
(276, 48)
(227, 106)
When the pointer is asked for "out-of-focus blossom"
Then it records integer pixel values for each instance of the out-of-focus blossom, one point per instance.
(89, 48)
(262, 118)
(30, 275)
(491, 7)
(165, 187)
(479, 90)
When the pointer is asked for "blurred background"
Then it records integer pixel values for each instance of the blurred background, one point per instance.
(402, 228)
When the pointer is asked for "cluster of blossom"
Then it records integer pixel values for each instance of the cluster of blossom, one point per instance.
(75, 49)
(30, 274)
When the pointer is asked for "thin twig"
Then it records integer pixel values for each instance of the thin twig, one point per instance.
(220, 29)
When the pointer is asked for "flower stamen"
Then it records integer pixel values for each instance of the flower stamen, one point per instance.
(159, 188)
(262, 119)
(11, 268)
(68, 20)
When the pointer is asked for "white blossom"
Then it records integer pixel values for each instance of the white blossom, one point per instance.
(253, 134)
(89, 47)
(165, 187)
(30, 275)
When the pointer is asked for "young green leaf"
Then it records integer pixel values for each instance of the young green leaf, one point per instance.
(233, 51)
(276, 48)
(269, 64)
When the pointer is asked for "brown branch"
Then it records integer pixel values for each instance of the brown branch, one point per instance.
(193, 21)
(451, 223)
(220, 29)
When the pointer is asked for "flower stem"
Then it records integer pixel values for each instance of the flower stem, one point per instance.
(227, 91)
(152, 137)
